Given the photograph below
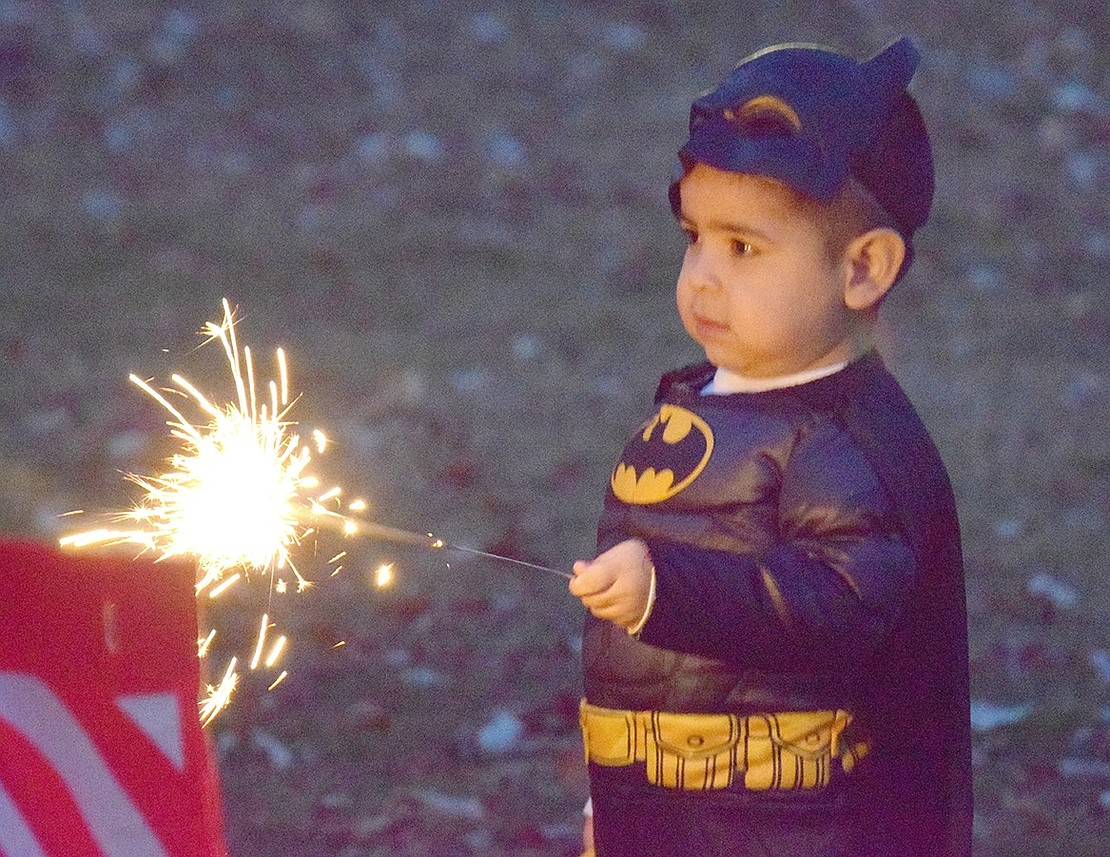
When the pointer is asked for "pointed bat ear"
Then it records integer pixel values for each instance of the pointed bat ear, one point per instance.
(897, 165)
(891, 69)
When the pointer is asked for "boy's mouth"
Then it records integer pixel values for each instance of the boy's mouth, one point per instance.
(708, 328)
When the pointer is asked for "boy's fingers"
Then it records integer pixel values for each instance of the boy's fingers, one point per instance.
(601, 597)
(600, 600)
(585, 585)
(616, 606)
(613, 613)
(593, 573)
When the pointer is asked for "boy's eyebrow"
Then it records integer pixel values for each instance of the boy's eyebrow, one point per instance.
(726, 226)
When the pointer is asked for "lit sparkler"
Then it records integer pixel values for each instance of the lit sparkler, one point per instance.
(239, 497)
(237, 491)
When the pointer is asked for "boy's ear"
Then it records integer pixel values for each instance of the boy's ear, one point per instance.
(874, 259)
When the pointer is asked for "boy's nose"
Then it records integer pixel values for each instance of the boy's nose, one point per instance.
(698, 272)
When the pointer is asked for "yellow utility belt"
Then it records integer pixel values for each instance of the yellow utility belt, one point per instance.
(697, 752)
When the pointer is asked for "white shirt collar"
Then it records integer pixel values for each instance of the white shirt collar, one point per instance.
(726, 381)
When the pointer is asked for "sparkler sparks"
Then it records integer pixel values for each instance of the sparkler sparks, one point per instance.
(239, 498)
(219, 696)
(236, 493)
(383, 576)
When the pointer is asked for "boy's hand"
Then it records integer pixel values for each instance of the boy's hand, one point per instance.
(615, 584)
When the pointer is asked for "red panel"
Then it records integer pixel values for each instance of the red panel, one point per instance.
(78, 633)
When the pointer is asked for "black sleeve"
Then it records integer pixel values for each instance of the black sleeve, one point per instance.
(822, 597)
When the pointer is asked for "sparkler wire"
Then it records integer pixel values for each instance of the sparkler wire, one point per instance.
(508, 559)
(371, 530)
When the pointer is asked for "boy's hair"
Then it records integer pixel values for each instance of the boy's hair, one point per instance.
(845, 135)
(852, 212)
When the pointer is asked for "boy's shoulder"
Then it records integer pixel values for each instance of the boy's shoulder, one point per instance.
(871, 403)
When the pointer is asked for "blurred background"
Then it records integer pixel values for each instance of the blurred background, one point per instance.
(453, 217)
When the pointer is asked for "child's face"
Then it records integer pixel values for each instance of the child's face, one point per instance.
(757, 289)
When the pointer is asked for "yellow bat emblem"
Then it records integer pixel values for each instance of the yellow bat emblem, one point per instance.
(668, 454)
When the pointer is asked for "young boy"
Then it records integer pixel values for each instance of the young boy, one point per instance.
(775, 654)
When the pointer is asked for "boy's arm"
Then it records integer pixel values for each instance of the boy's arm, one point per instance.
(823, 596)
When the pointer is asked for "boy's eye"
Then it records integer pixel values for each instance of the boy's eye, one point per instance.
(691, 236)
(742, 248)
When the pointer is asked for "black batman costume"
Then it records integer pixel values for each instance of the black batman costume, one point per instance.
(807, 560)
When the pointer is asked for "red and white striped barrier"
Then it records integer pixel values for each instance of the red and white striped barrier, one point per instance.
(101, 750)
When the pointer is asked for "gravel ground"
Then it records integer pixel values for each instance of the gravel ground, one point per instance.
(453, 217)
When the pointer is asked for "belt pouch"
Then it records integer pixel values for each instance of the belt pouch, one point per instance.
(692, 751)
(610, 737)
(791, 750)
